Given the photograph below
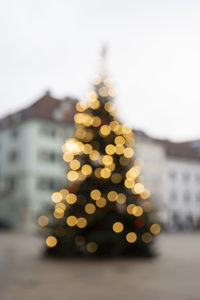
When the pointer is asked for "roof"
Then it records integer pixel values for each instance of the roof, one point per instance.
(47, 107)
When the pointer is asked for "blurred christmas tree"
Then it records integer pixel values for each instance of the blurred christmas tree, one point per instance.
(105, 210)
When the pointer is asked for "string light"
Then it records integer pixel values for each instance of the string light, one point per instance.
(118, 227)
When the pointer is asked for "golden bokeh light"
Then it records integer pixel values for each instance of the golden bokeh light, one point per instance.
(130, 208)
(119, 149)
(56, 197)
(71, 198)
(71, 221)
(67, 157)
(43, 221)
(137, 211)
(107, 160)
(61, 205)
(101, 202)
(96, 122)
(103, 91)
(81, 106)
(94, 155)
(86, 169)
(116, 178)
(155, 228)
(95, 194)
(121, 198)
(138, 188)
(90, 208)
(105, 173)
(81, 222)
(123, 161)
(64, 193)
(118, 227)
(112, 196)
(105, 130)
(111, 167)
(51, 241)
(145, 194)
(92, 247)
(129, 183)
(128, 152)
(75, 164)
(110, 149)
(146, 237)
(131, 237)
(87, 149)
(119, 140)
(58, 213)
(97, 172)
(72, 175)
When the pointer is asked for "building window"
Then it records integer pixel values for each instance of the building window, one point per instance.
(49, 184)
(49, 156)
(173, 196)
(186, 177)
(186, 196)
(14, 133)
(13, 156)
(172, 175)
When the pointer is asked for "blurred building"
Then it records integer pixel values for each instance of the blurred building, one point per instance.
(31, 166)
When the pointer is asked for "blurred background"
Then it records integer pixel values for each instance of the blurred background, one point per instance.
(49, 52)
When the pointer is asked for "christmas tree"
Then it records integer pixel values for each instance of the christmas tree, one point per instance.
(104, 210)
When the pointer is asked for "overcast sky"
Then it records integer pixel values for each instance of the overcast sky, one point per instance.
(153, 57)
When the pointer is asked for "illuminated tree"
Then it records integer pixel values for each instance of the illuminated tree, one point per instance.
(105, 209)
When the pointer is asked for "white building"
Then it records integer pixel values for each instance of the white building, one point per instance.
(182, 183)
(31, 164)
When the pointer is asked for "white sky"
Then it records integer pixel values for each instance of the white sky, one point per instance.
(153, 57)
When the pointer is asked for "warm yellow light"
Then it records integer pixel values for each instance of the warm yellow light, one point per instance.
(145, 194)
(130, 208)
(81, 222)
(138, 188)
(116, 178)
(68, 156)
(110, 149)
(94, 104)
(43, 221)
(75, 164)
(121, 198)
(118, 227)
(61, 205)
(127, 130)
(96, 122)
(64, 193)
(71, 221)
(56, 197)
(97, 172)
(107, 160)
(105, 173)
(71, 198)
(119, 149)
(119, 140)
(51, 241)
(95, 194)
(58, 213)
(109, 107)
(147, 237)
(101, 202)
(112, 196)
(72, 175)
(94, 155)
(88, 135)
(155, 228)
(111, 167)
(105, 130)
(131, 237)
(103, 91)
(137, 211)
(128, 152)
(129, 183)
(90, 208)
(81, 106)
(86, 169)
(92, 247)
(87, 149)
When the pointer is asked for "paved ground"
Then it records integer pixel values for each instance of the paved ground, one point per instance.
(174, 275)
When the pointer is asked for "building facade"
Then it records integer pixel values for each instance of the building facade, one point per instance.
(32, 167)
